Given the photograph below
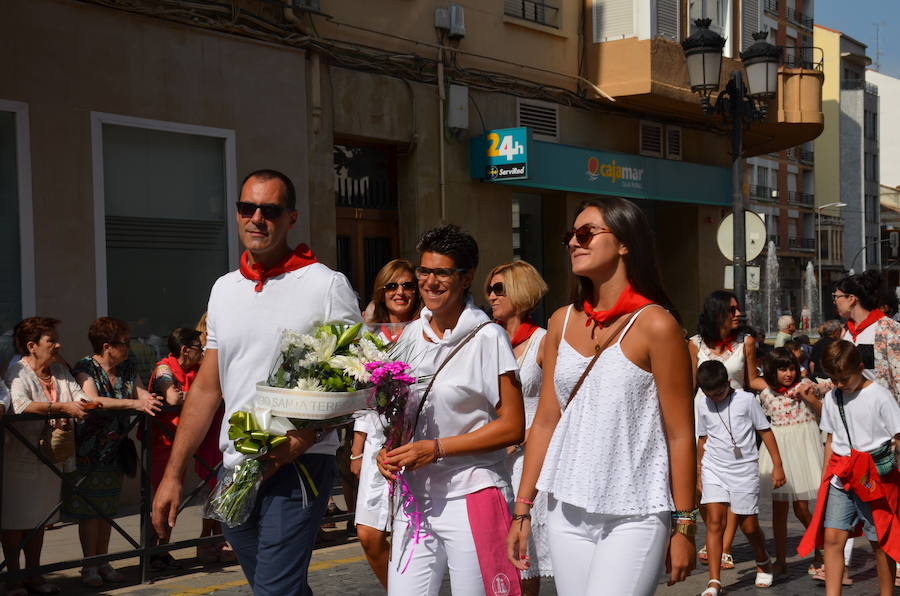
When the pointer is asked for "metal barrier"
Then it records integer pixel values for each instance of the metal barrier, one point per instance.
(141, 546)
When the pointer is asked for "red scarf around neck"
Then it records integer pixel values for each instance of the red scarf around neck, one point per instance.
(299, 258)
(526, 330)
(725, 343)
(785, 390)
(856, 329)
(628, 302)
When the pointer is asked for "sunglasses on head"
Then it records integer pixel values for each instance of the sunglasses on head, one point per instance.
(497, 289)
(392, 286)
(269, 212)
(583, 235)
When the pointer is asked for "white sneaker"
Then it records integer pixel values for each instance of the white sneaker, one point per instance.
(109, 574)
(90, 576)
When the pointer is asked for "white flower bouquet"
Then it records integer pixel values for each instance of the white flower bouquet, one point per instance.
(317, 380)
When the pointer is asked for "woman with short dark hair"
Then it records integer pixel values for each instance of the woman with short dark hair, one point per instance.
(108, 377)
(611, 443)
(455, 464)
(38, 384)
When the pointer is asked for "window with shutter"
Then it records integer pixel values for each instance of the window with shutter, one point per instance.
(651, 139)
(673, 142)
(541, 117)
(613, 19)
(750, 21)
(667, 19)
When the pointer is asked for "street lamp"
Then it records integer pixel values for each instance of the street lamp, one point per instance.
(736, 104)
(819, 248)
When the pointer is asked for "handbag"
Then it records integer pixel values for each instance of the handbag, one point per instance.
(58, 444)
(128, 457)
(883, 456)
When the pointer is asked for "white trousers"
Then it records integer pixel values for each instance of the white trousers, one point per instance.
(593, 553)
(449, 545)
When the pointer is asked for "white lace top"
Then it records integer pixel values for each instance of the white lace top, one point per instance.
(531, 375)
(734, 360)
(608, 453)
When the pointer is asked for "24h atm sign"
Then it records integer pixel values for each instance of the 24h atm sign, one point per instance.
(501, 154)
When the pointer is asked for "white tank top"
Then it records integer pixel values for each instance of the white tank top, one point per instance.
(531, 375)
(734, 361)
(608, 453)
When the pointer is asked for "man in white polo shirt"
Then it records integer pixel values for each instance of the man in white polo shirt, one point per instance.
(275, 288)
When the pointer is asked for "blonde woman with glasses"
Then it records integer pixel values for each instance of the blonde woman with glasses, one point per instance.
(514, 290)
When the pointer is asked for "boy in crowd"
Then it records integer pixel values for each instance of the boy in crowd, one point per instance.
(860, 483)
(727, 423)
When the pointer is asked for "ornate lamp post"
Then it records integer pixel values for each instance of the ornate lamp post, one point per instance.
(739, 105)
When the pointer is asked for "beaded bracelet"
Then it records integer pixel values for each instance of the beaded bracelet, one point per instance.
(690, 515)
(521, 517)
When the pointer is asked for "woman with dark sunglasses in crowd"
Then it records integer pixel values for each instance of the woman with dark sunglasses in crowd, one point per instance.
(611, 443)
(513, 291)
(395, 300)
(718, 338)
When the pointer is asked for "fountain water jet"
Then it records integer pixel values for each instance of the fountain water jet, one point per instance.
(771, 301)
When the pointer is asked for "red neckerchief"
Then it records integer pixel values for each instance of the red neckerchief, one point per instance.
(169, 419)
(725, 344)
(184, 378)
(855, 329)
(391, 337)
(299, 258)
(526, 329)
(628, 302)
(785, 390)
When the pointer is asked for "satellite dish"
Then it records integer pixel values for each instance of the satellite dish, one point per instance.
(755, 235)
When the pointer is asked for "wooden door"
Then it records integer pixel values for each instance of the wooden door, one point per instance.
(366, 240)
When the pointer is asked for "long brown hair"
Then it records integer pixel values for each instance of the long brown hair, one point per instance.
(629, 225)
(380, 312)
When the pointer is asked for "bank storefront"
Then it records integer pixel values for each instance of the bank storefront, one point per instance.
(681, 199)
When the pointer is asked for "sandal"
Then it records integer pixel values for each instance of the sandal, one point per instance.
(712, 590)
(764, 578)
(39, 585)
(819, 576)
(727, 561)
(701, 554)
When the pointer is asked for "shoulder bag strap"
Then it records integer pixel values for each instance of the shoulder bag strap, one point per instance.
(839, 396)
(441, 367)
(600, 349)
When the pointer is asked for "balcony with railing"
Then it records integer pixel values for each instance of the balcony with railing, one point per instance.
(803, 244)
(799, 19)
(802, 199)
(859, 84)
(542, 12)
(807, 156)
(762, 193)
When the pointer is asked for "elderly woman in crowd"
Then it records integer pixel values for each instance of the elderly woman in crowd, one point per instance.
(395, 300)
(108, 377)
(470, 412)
(37, 385)
(514, 290)
(171, 378)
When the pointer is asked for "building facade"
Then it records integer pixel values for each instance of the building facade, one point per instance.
(129, 128)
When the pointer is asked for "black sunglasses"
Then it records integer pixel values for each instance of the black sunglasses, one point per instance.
(269, 212)
(392, 286)
(441, 273)
(583, 235)
(497, 289)
(733, 310)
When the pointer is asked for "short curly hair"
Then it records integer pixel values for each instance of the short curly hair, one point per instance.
(32, 329)
(453, 242)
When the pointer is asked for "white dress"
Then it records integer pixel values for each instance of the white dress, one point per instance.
(31, 489)
(531, 376)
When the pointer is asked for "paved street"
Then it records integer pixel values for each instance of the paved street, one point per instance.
(339, 569)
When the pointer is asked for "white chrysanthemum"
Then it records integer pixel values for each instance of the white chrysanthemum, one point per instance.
(353, 366)
(290, 339)
(369, 352)
(306, 384)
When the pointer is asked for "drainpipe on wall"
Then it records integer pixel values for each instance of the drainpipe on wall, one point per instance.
(441, 97)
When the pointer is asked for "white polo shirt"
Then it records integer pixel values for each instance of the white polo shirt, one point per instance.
(245, 327)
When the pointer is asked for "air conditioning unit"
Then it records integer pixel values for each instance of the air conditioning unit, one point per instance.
(457, 22)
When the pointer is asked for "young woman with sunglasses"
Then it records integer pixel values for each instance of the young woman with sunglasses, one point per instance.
(396, 302)
(618, 459)
(717, 338)
(514, 290)
(455, 466)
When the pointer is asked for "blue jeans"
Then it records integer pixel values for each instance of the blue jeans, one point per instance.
(275, 544)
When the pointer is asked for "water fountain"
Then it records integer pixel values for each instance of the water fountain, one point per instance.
(771, 302)
(810, 317)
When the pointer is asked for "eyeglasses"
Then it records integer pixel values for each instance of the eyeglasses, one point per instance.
(441, 273)
(583, 235)
(835, 296)
(197, 347)
(392, 286)
(497, 289)
(120, 343)
(269, 212)
(734, 310)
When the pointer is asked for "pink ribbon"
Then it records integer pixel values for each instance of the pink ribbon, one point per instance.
(414, 517)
